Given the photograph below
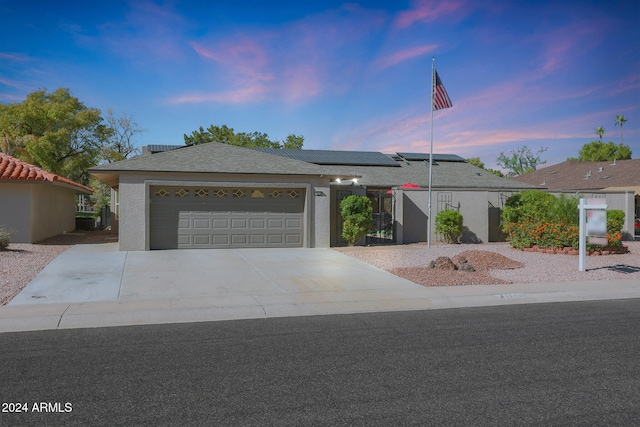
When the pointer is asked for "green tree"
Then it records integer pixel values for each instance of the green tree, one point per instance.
(357, 215)
(227, 135)
(521, 161)
(596, 151)
(293, 142)
(600, 132)
(620, 120)
(54, 131)
(477, 162)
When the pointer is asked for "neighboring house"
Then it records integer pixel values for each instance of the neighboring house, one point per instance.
(220, 196)
(36, 204)
(586, 177)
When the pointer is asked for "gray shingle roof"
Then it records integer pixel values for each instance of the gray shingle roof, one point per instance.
(213, 157)
(216, 157)
(577, 175)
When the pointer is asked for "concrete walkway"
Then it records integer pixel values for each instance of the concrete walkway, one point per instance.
(97, 285)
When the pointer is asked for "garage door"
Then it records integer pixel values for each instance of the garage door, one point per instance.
(195, 217)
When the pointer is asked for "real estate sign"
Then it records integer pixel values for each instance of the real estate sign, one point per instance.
(593, 223)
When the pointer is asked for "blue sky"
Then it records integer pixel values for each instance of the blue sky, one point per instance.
(345, 75)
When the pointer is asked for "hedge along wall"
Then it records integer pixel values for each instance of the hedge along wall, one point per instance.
(536, 218)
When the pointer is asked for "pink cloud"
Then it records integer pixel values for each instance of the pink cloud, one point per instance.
(250, 94)
(301, 82)
(426, 11)
(150, 31)
(404, 55)
(294, 63)
(560, 48)
(11, 83)
(246, 58)
(15, 57)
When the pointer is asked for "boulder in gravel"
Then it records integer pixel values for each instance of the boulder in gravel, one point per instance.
(467, 267)
(444, 263)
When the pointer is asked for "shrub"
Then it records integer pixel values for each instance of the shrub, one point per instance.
(615, 222)
(357, 216)
(527, 206)
(5, 239)
(551, 222)
(564, 209)
(449, 224)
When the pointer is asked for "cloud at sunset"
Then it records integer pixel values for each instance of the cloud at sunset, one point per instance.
(404, 55)
(346, 75)
(426, 11)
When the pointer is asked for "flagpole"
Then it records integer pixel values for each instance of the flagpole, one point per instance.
(433, 67)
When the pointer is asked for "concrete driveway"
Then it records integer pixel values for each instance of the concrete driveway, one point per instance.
(93, 273)
(98, 286)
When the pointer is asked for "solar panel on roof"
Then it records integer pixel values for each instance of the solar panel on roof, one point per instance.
(334, 157)
(158, 148)
(436, 157)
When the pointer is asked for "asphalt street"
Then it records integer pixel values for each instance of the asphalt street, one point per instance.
(541, 364)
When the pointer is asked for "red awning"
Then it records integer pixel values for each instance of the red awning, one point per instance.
(404, 186)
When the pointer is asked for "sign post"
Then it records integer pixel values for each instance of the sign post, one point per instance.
(593, 223)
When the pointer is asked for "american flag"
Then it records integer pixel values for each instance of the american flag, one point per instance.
(441, 99)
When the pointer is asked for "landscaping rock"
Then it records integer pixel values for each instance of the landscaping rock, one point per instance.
(444, 263)
(467, 267)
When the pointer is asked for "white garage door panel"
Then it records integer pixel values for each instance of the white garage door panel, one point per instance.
(192, 217)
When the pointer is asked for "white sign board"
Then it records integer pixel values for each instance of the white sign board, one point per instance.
(593, 222)
(597, 227)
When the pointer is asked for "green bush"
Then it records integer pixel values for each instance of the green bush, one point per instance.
(357, 215)
(538, 218)
(5, 239)
(615, 222)
(564, 209)
(449, 224)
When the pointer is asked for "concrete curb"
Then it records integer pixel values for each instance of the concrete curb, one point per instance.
(200, 309)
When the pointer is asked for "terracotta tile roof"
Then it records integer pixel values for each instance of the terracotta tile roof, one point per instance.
(12, 169)
(577, 175)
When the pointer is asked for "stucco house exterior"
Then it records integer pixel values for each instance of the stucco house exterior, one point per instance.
(220, 196)
(36, 204)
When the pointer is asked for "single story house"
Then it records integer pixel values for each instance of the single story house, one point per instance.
(221, 196)
(36, 204)
(587, 177)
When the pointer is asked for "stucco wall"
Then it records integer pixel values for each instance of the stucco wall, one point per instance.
(36, 211)
(412, 207)
(53, 211)
(15, 211)
(476, 208)
(133, 221)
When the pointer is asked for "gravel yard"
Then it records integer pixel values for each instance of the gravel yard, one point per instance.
(22, 262)
(495, 263)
